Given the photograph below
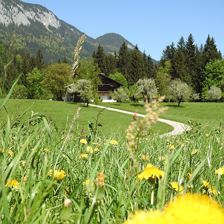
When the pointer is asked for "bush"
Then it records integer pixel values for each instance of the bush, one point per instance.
(179, 91)
(120, 95)
(214, 94)
(20, 92)
(147, 88)
(82, 89)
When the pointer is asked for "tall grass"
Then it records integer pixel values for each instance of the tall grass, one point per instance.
(100, 184)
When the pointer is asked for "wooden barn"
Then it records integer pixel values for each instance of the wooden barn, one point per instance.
(107, 87)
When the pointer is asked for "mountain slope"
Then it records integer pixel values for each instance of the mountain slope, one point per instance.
(36, 28)
(113, 41)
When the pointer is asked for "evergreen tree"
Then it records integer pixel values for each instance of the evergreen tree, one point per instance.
(123, 60)
(39, 60)
(169, 55)
(191, 60)
(110, 64)
(210, 52)
(136, 68)
(99, 58)
(179, 61)
(148, 66)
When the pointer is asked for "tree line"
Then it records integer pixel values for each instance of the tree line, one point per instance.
(199, 70)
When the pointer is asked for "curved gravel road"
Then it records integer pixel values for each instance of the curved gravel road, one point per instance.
(178, 127)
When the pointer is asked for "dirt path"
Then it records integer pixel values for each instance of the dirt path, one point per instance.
(178, 127)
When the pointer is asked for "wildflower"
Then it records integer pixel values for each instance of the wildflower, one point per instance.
(189, 175)
(83, 141)
(171, 147)
(87, 182)
(96, 149)
(23, 163)
(205, 184)
(220, 171)
(10, 152)
(161, 158)
(135, 116)
(143, 217)
(100, 180)
(145, 157)
(67, 202)
(89, 149)
(113, 142)
(83, 156)
(46, 150)
(194, 152)
(25, 178)
(151, 172)
(213, 191)
(194, 208)
(12, 184)
(57, 174)
(176, 186)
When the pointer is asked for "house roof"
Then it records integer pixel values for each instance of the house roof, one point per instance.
(108, 84)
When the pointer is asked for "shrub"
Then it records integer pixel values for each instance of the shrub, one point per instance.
(147, 88)
(120, 95)
(179, 91)
(214, 94)
(20, 92)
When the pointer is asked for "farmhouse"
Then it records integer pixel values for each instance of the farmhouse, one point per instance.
(106, 87)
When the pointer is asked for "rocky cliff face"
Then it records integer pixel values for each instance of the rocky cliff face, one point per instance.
(37, 28)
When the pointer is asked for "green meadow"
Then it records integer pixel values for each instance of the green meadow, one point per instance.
(61, 113)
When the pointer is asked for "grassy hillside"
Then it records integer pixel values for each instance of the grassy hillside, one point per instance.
(208, 114)
(52, 177)
(61, 114)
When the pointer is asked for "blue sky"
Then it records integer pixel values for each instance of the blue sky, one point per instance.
(151, 24)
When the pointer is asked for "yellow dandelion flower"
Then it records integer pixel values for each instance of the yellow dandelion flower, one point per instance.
(145, 157)
(176, 186)
(12, 184)
(194, 208)
(96, 149)
(220, 171)
(151, 172)
(83, 141)
(205, 184)
(90, 149)
(87, 182)
(10, 152)
(213, 191)
(57, 174)
(83, 156)
(144, 217)
(113, 142)
(194, 152)
(189, 175)
(171, 147)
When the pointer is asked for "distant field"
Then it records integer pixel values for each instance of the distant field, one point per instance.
(211, 114)
(61, 114)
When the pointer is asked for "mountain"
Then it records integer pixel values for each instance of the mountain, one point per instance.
(113, 41)
(35, 27)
